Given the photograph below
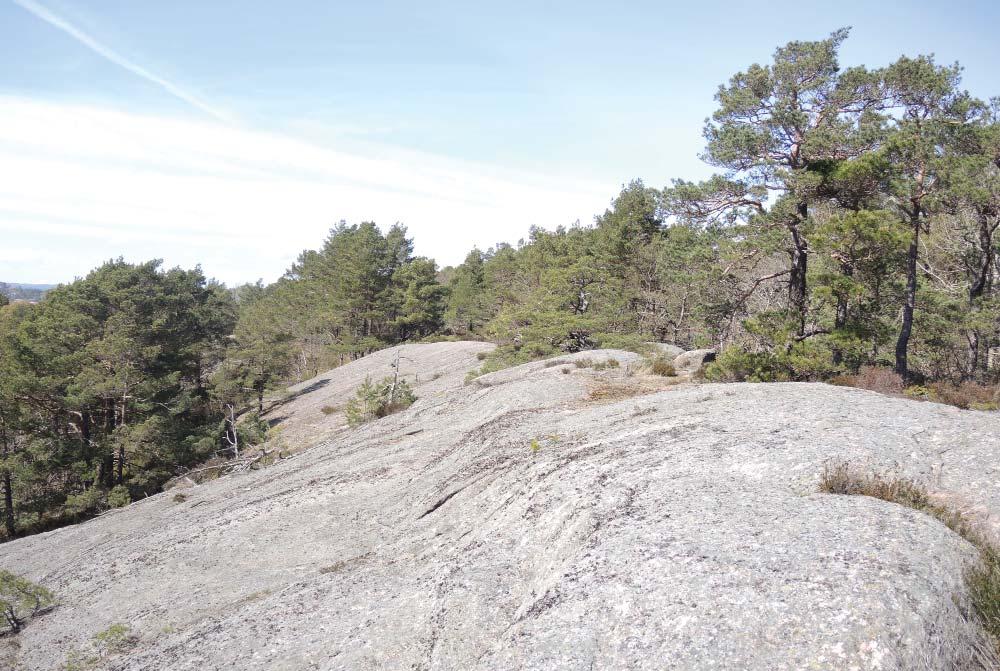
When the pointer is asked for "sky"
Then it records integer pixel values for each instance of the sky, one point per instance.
(236, 134)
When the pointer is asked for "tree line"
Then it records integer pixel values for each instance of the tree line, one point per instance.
(851, 223)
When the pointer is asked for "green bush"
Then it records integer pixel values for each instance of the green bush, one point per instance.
(119, 496)
(736, 365)
(20, 599)
(87, 502)
(115, 639)
(373, 400)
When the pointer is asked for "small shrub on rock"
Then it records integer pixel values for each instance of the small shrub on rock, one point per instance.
(115, 639)
(878, 379)
(20, 599)
(967, 395)
(374, 400)
(662, 366)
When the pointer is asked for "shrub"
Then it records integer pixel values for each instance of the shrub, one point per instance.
(881, 380)
(115, 639)
(736, 365)
(20, 599)
(967, 395)
(662, 366)
(378, 399)
(329, 409)
(583, 363)
(86, 502)
(119, 496)
(566, 370)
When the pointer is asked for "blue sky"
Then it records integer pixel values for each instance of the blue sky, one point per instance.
(234, 134)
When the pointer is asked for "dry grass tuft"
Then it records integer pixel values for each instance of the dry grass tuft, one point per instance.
(662, 366)
(873, 378)
(606, 391)
(967, 395)
(982, 581)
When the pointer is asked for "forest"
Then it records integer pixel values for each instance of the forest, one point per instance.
(849, 231)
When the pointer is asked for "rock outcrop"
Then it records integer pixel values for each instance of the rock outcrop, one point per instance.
(518, 522)
(690, 363)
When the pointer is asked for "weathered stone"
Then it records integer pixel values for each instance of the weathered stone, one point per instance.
(691, 362)
(513, 523)
(666, 349)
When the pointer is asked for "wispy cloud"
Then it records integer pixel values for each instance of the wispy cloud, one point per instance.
(56, 21)
(86, 183)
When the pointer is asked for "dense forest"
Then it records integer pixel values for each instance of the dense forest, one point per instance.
(850, 226)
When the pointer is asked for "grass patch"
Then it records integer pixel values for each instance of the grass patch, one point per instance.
(180, 498)
(965, 395)
(343, 564)
(662, 366)
(329, 409)
(115, 640)
(982, 580)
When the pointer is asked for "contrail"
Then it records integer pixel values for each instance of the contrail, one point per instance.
(57, 21)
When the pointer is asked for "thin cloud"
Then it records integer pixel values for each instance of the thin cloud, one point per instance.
(83, 38)
(79, 180)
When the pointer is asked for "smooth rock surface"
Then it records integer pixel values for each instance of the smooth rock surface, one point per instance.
(514, 523)
(314, 410)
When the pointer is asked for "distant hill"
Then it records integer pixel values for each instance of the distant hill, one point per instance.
(24, 292)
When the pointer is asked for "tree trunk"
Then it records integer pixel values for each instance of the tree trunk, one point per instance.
(797, 286)
(8, 488)
(973, 356)
(903, 342)
(840, 319)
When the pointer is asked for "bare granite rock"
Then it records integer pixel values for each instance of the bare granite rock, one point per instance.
(518, 523)
(691, 362)
(666, 349)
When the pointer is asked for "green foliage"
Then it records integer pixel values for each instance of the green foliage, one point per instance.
(103, 389)
(374, 400)
(20, 599)
(736, 365)
(117, 639)
(119, 496)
